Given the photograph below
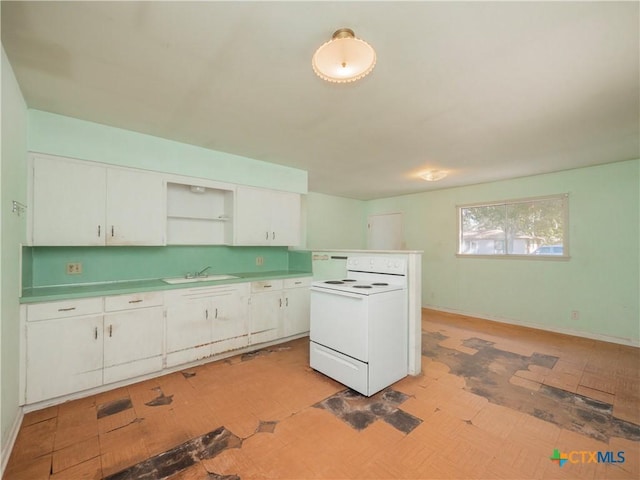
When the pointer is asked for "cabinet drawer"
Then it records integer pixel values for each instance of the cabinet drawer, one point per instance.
(64, 309)
(297, 282)
(183, 295)
(133, 300)
(266, 285)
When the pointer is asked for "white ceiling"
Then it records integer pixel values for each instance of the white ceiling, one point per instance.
(485, 90)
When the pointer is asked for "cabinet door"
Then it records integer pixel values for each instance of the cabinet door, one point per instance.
(296, 311)
(132, 343)
(63, 356)
(265, 315)
(189, 331)
(68, 203)
(252, 221)
(230, 329)
(285, 218)
(135, 205)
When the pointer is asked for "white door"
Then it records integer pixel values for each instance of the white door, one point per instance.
(339, 322)
(135, 206)
(285, 219)
(385, 232)
(68, 203)
(296, 309)
(77, 343)
(189, 331)
(230, 329)
(132, 343)
(266, 311)
(253, 216)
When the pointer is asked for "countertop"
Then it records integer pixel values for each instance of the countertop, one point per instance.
(362, 251)
(65, 292)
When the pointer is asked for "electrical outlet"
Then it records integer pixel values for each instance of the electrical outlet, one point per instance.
(575, 315)
(74, 268)
(259, 261)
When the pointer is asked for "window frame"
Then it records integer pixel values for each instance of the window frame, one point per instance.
(564, 197)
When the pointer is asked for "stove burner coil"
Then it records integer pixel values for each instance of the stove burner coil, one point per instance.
(362, 286)
(334, 282)
(348, 280)
(380, 284)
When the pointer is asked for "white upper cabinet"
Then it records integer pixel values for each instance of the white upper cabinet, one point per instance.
(135, 208)
(266, 217)
(68, 202)
(82, 203)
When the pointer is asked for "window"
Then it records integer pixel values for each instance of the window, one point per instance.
(533, 228)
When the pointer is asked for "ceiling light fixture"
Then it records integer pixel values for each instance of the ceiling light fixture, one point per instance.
(433, 175)
(344, 58)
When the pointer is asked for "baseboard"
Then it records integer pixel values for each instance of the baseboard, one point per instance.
(564, 331)
(7, 447)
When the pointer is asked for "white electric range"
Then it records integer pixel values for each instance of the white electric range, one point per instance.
(359, 324)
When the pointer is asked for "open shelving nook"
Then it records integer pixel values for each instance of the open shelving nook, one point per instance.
(199, 214)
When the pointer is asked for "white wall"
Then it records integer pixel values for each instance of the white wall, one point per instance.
(601, 280)
(13, 181)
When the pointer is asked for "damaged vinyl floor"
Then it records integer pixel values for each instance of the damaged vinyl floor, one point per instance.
(492, 401)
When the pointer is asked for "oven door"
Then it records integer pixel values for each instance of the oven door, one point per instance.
(339, 321)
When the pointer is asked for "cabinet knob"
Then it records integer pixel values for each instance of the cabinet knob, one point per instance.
(95, 334)
(66, 309)
(99, 231)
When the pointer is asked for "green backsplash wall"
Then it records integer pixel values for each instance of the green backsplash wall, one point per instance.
(105, 264)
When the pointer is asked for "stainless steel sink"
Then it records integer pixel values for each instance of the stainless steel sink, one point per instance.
(207, 278)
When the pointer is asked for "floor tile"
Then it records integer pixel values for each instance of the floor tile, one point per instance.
(75, 454)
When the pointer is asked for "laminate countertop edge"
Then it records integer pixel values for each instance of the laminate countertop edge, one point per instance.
(100, 289)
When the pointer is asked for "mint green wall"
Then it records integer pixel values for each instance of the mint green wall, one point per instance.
(104, 264)
(13, 179)
(70, 137)
(334, 222)
(601, 280)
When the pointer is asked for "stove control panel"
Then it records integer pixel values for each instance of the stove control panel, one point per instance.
(378, 264)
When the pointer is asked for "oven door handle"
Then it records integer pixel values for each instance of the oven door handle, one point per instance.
(328, 291)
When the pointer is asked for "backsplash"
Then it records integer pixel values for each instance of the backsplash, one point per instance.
(46, 266)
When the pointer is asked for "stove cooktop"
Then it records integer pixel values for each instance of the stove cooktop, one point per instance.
(357, 286)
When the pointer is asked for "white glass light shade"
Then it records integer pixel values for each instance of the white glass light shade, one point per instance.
(433, 175)
(344, 58)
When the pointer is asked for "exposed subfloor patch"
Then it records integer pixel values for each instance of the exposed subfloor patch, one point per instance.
(161, 399)
(266, 427)
(182, 457)
(360, 411)
(488, 371)
(113, 407)
(265, 351)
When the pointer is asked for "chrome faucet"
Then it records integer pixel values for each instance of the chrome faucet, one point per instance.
(201, 272)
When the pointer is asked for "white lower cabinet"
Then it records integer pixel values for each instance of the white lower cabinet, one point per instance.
(132, 343)
(265, 311)
(64, 355)
(203, 321)
(76, 345)
(230, 328)
(279, 308)
(69, 351)
(297, 301)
